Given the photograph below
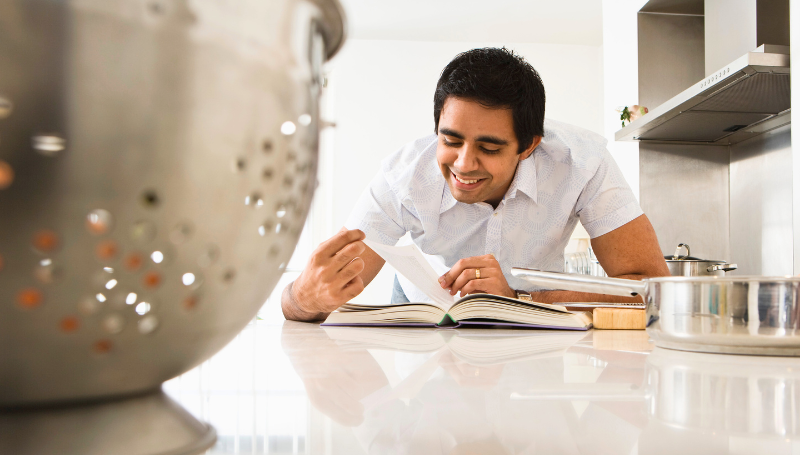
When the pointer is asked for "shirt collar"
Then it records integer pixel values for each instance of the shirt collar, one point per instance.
(448, 201)
(524, 179)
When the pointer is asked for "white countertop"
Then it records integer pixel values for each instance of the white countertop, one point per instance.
(300, 388)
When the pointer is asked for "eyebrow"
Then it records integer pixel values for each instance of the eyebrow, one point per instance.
(488, 139)
(449, 132)
(492, 140)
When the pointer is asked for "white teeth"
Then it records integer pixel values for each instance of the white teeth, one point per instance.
(468, 182)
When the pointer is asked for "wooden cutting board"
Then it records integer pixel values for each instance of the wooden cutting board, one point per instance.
(619, 318)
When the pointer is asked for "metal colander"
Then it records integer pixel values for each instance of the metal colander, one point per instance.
(157, 162)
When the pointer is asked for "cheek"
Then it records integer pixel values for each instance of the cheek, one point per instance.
(500, 170)
(444, 156)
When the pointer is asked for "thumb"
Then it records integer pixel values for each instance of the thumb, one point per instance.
(444, 280)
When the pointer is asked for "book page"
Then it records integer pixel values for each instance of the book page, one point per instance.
(409, 262)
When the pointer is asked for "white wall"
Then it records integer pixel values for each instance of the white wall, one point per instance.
(621, 80)
(381, 97)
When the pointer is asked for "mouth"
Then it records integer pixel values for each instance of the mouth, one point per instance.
(466, 184)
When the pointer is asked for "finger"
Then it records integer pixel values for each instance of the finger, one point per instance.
(350, 271)
(466, 276)
(448, 278)
(478, 286)
(347, 254)
(354, 287)
(334, 244)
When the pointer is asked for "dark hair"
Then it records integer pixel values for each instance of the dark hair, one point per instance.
(496, 78)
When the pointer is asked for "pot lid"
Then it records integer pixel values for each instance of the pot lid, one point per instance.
(691, 259)
(677, 256)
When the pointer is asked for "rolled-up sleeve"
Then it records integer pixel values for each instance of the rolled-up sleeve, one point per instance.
(378, 213)
(606, 202)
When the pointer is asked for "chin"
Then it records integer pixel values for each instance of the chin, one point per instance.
(464, 198)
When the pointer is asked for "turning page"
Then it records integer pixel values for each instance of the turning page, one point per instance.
(409, 261)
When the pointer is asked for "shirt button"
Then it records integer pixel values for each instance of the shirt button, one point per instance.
(495, 214)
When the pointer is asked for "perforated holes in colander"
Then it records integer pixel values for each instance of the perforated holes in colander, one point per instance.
(6, 107)
(6, 175)
(265, 228)
(29, 298)
(254, 200)
(229, 275)
(46, 271)
(209, 256)
(45, 241)
(107, 250)
(143, 231)
(181, 232)
(239, 165)
(69, 324)
(150, 198)
(148, 324)
(133, 261)
(113, 324)
(288, 128)
(190, 302)
(152, 280)
(99, 222)
(48, 144)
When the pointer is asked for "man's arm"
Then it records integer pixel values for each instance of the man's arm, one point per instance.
(630, 251)
(338, 270)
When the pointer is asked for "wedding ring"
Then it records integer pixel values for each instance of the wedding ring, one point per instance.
(477, 274)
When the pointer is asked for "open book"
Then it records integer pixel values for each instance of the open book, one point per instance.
(472, 310)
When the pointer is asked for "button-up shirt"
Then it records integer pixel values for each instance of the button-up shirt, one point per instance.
(570, 176)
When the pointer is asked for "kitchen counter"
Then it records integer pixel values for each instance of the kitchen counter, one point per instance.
(301, 388)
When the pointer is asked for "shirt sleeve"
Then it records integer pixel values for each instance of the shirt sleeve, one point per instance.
(606, 202)
(379, 213)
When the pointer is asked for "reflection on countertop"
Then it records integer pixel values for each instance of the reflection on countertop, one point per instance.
(301, 388)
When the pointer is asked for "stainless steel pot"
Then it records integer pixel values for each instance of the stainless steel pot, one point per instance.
(686, 265)
(743, 315)
(157, 163)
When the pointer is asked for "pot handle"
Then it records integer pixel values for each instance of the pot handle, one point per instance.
(581, 283)
(677, 254)
(723, 267)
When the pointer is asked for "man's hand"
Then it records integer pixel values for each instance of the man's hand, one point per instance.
(330, 279)
(462, 277)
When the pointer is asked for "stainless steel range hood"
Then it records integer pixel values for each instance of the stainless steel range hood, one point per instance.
(746, 98)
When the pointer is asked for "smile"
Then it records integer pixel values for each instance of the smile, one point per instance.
(465, 182)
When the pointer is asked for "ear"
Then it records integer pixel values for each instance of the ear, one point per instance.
(536, 141)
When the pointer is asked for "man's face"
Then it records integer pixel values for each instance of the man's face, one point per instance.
(477, 150)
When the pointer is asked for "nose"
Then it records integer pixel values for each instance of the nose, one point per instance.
(467, 160)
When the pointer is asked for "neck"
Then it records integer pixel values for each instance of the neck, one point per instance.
(495, 200)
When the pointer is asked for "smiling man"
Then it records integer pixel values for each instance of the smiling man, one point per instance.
(496, 187)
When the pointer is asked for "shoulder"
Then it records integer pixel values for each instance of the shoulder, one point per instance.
(412, 167)
(571, 144)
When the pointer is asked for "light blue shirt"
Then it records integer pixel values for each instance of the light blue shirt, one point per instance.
(570, 176)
